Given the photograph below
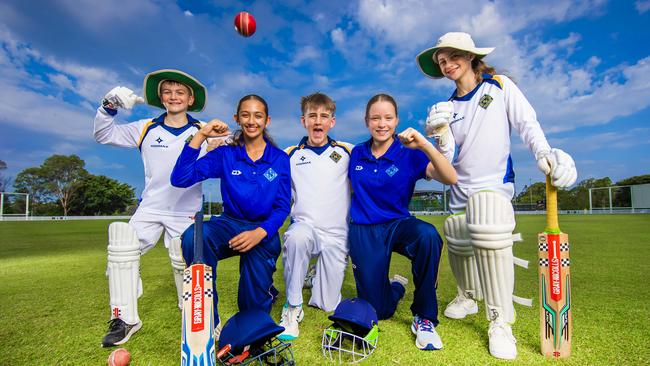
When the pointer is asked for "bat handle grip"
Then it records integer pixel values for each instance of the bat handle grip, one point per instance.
(552, 224)
(198, 237)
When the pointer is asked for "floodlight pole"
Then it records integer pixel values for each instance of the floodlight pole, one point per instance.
(2, 204)
(27, 206)
(590, 207)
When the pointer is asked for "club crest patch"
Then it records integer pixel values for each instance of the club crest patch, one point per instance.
(391, 170)
(335, 156)
(189, 138)
(270, 174)
(485, 101)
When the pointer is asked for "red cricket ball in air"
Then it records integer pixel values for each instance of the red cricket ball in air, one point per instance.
(245, 24)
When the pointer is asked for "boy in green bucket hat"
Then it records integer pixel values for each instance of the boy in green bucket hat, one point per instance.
(162, 207)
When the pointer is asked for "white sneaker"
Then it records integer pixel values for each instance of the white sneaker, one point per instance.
(503, 344)
(426, 337)
(291, 316)
(460, 307)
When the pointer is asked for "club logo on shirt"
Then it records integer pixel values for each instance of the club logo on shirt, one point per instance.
(485, 101)
(391, 170)
(302, 161)
(270, 174)
(159, 140)
(358, 167)
(335, 156)
(189, 138)
(455, 118)
(235, 172)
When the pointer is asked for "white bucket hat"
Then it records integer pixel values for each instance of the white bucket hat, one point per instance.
(456, 40)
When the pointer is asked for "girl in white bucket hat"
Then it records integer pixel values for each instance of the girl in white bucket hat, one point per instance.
(473, 130)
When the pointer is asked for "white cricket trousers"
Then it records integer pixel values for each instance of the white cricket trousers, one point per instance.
(302, 242)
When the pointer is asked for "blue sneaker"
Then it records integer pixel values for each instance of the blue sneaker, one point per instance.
(426, 337)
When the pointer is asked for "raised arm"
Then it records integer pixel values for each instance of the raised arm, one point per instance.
(105, 129)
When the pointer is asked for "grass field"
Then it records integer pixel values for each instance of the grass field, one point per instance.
(54, 300)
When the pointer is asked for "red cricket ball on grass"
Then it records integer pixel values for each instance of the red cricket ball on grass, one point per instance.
(245, 24)
(119, 357)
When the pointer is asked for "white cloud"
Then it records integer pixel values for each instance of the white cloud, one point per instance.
(188, 13)
(305, 54)
(100, 15)
(642, 6)
(94, 162)
(43, 113)
(566, 95)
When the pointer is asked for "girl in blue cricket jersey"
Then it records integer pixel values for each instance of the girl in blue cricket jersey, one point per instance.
(256, 191)
(383, 172)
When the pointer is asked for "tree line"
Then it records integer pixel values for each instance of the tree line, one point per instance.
(62, 186)
(577, 198)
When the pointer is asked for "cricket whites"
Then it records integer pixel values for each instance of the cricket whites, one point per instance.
(197, 344)
(554, 283)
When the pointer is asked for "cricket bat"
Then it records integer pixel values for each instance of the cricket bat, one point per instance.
(554, 283)
(197, 340)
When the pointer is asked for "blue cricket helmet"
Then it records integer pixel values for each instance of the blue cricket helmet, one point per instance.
(356, 314)
(252, 337)
(355, 332)
(247, 328)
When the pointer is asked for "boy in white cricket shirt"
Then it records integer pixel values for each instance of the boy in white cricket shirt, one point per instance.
(319, 227)
(162, 206)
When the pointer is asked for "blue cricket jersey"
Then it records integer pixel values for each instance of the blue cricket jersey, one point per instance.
(382, 188)
(257, 191)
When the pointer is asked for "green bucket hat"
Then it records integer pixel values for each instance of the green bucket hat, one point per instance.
(456, 40)
(154, 79)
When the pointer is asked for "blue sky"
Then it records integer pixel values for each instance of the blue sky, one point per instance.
(584, 66)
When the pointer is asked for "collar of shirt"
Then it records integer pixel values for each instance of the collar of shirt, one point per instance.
(469, 95)
(266, 157)
(161, 118)
(317, 149)
(390, 154)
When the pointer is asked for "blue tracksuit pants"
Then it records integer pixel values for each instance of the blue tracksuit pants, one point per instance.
(256, 266)
(371, 247)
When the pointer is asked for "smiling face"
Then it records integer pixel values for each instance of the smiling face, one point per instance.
(252, 118)
(317, 120)
(381, 121)
(176, 97)
(454, 64)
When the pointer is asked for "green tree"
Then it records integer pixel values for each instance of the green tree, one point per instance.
(32, 181)
(62, 173)
(638, 179)
(56, 179)
(531, 194)
(4, 180)
(101, 195)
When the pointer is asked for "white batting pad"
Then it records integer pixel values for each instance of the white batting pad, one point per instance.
(178, 266)
(490, 221)
(461, 257)
(123, 271)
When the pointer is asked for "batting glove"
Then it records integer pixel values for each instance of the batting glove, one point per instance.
(437, 126)
(559, 166)
(438, 120)
(121, 97)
